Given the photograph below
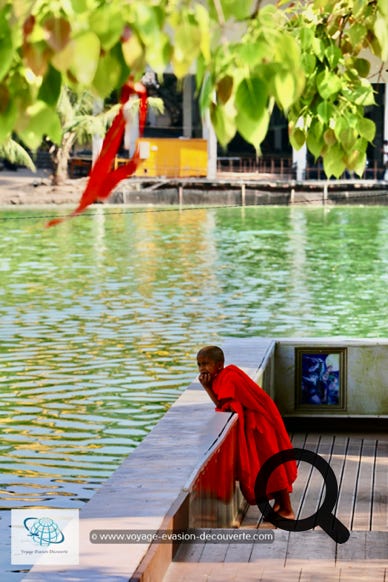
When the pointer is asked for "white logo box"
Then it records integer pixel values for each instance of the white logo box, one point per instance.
(45, 536)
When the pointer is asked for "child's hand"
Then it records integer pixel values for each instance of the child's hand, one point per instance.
(205, 379)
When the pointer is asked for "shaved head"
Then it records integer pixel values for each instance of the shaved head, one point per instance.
(214, 353)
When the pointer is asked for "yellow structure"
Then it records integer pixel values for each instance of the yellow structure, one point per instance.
(172, 157)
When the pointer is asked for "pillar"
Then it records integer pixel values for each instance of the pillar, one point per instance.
(299, 159)
(210, 135)
(97, 140)
(131, 133)
(188, 106)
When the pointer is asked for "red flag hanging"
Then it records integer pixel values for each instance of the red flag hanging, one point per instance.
(102, 178)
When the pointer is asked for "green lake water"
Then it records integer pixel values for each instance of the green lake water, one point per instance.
(101, 318)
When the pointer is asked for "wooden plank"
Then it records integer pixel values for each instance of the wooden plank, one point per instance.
(353, 550)
(310, 545)
(313, 571)
(275, 573)
(315, 486)
(380, 489)
(186, 572)
(319, 570)
(229, 573)
(276, 551)
(189, 553)
(305, 470)
(376, 546)
(239, 552)
(251, 517)
(348, 483)
(298, 439)
(328, 449)
(363, 498)
(365, 573)
(213, 552)
(337, 462)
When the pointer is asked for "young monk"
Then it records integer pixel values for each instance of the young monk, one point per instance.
(261, 429)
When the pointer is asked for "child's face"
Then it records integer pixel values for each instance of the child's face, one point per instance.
(208, 366)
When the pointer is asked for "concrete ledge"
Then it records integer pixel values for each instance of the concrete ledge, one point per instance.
(250, 190)
(147, 491)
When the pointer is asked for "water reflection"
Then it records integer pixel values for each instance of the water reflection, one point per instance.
(101, 317)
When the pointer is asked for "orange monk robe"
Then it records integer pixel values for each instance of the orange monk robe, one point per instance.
(261, 431)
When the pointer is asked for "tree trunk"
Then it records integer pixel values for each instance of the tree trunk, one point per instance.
(60, 157)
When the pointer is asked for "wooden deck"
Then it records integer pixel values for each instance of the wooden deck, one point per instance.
(360, 463)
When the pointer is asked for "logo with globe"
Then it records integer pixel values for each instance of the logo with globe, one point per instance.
(44, 530)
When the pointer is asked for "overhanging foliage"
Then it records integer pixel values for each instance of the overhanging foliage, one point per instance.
(306, 57)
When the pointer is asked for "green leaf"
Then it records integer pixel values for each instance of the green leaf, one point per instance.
(51, 87)
(333, 162)
(117, 53)
(315, 141)
(325, 111)
(381, 32)
(206, 93)
(251, 98)
(362, 67)
(108, 35)
(8, 116)
(288, 53)
(348, 138)
(253, 132)
(134, 54)
(202, 17)
(328, 84)
(236, 10)
(309, 63)
(186, 46)
(362, 94)
(80, 6)
(329, 137)
(200, 73)
(40, 120)
(285, 90)
(367, 128)
(86, 55)
(223, 120)
(333, 55)
(159, 54)
(383, 7)
(318, 48)
(146, 19)
(6, 44)
(297, 138)
(107, 75)
(268, 17)
(251, 53)
(357, 32)
(79, 58)
(306, 38)
(356, 159)
(344, 122)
